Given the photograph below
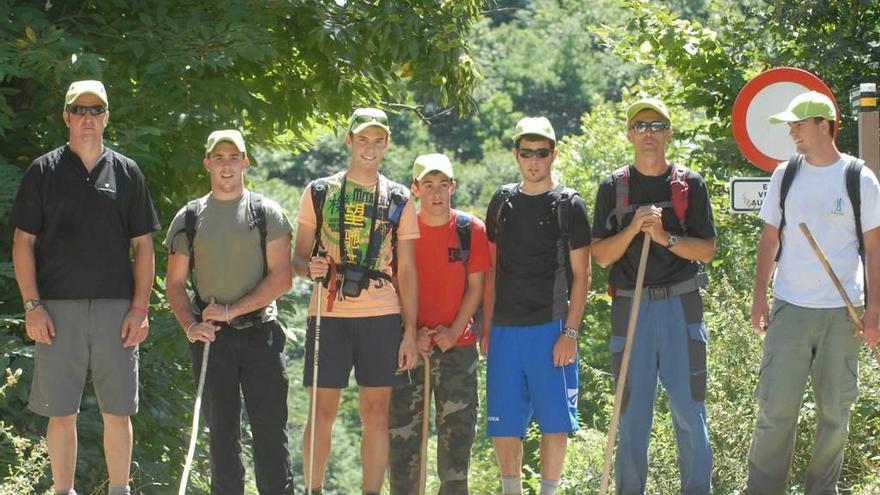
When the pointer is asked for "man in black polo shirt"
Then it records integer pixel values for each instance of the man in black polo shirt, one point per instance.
(79, 213)
(670, 204)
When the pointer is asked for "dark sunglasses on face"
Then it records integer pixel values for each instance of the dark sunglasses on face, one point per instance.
(655, 126)
(84, 109)
(540, 152)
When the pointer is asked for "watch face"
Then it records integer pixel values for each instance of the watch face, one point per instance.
(571, 333)
(31, 304)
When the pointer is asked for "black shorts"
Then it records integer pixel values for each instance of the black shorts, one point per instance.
(369, 344)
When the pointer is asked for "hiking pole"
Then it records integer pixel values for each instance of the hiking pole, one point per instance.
(624, 365)
(426, 409)
(187, 466)
(319, 284)
(824, 260)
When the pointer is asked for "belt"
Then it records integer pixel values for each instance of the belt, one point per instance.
(246, 321)
(699, 281)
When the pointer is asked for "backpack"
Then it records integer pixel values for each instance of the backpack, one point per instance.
(191, 216)
(852, 172)
(678, 194)
(463, 232)
(560, 208)
(391, 211)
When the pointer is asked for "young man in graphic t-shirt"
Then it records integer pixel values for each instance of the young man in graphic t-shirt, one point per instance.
(539, 237)
(452, 256)
(364, 222)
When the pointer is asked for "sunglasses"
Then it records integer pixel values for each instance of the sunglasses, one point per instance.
(655, 126)
(362, 119)
(94, 110)
(540, 152)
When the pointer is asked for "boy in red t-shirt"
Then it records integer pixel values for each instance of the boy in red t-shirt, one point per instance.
(452, 256)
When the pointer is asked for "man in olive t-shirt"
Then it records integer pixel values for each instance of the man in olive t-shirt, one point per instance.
(236, 281)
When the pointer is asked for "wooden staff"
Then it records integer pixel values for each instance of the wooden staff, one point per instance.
(624, 366)
(853, 314)
(426, 409)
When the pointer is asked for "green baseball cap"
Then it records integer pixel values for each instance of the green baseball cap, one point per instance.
(805, 106)
(228, 135)
(647, 104)
(362, 118)
(534, 126)
(88, 87)
(432, 162)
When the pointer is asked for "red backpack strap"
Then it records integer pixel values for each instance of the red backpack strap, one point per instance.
(622, 206)
(678, 194)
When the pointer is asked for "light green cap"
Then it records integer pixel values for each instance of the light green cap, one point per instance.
(362, 118)
(534, 126)
(432, 162)
(89, 87)
(228, 135)
(805, 106)
(647, 104)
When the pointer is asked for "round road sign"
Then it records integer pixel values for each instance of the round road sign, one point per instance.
(761, 142)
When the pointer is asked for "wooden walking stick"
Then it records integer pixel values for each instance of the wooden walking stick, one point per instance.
(853, 314)
(426, 410)
(319, 284)
(624, 365)
(190, 453)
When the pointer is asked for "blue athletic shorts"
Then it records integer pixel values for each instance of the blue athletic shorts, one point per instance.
(521, 380)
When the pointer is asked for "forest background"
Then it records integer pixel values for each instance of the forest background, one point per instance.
(456, 75)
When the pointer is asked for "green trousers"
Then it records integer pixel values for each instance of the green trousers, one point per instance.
(801, 343)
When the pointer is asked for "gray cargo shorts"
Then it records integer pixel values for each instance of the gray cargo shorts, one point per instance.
(87, 339)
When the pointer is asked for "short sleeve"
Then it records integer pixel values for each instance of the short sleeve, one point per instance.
(277, 223)
(409, 224)
(306, 214)
(699, 219)
(603, 207)
(27, 209)
(770, 212)
(175, 239)
(478, 259)
(491, 213)
(142, 218)
(578, 224)
(870, 195)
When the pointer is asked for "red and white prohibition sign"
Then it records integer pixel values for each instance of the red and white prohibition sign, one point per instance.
(762, 143)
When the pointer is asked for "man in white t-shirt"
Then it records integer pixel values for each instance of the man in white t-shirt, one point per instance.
(808, 332)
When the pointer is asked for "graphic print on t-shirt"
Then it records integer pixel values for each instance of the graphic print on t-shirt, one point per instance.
(358, 217)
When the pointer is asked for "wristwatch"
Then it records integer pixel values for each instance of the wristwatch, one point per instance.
(32, 304)
(671, 240)
(571, 333)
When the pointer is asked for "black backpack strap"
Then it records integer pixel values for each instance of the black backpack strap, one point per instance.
(853, 173)
(258, 221)
(794, 164)
(562, 205)
(622, 206)
(190, 224)
(318, 190)
(390, 210)
(463, 231)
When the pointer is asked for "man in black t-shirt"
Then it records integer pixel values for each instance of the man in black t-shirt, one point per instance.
(539, 241)
(80, 210)
(669, 204)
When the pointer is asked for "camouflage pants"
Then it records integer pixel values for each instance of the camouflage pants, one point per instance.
(454, 383)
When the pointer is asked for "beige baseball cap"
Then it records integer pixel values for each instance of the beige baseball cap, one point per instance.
(228, 135)
(432, 162)
(79, 88)
(534, 126)
(647, 104)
